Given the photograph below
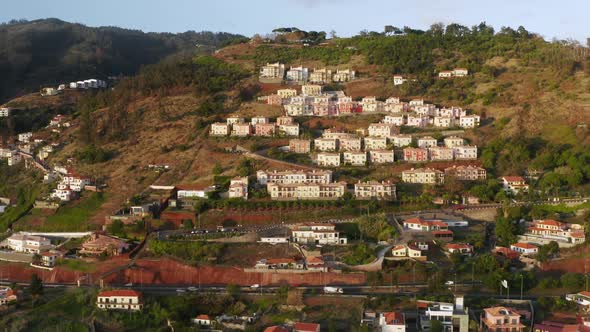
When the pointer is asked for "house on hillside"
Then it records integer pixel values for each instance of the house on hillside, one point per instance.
(514, 184)
(120, 299)
(34, 244)
(392, 322)
(406, 251)
(526, 249)
(499, 319)
(306, 327)
(203, 320)
(99, 244)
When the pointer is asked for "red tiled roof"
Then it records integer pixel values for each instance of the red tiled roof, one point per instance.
(203, 317)
(119, 292)
(458, 246)
(275, 329)
(584, 293)
(509, 253)
(550, 222)
(280, 261)
(394, 318)
(524, 245)
(418, 221)
(513, 178)
(442, 232)
(312, 327)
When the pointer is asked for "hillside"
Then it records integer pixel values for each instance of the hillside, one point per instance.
(48, 52)
(533, 97)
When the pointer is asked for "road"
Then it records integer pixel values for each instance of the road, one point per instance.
(411, 289)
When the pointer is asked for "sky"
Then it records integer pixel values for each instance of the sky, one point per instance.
(550, 18)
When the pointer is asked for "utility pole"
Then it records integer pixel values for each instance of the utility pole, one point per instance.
(521, 285)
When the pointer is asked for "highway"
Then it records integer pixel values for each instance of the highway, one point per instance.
(348, 291)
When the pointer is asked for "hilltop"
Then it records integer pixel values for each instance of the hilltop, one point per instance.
(50, 51)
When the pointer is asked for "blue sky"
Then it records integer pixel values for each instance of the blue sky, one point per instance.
(550, 18)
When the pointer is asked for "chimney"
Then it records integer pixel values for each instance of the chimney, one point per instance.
(459, 301)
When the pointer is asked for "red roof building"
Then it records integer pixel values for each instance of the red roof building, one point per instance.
(306, 327)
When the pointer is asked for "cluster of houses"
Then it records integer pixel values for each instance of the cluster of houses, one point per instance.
(336, 148)
(452, 316)
(27, 143)
(258, 126)
(434, 176)
(91, 83)
(438, 228)
(541, 232)
(313, 101)
(71, 183)
(238, 188)
(277, 72)
(95, 244)
(457, 72)
(319, 185)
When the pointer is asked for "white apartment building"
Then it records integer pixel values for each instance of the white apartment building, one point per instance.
(355, 158)
(443, 121)
(272, 70)
(398, 120)
(466, 173)
(316, 233)
(401, 140)
(298, 109)
(311, 90)
(306, 191)
(345, 75)
(241, 129)
(4, 112)
(350, 144)
(297, 74)
(460, 72)
(395, 107)
(121, 299)
(427, 142)
(469, 121)
(325, 144)
(423, 176)
(439, 153)
(375, 143)
(220, 129)
(320, 76)
(419, 121)
(398, 80)
(452, 112)
(328, 159)
(289, 129)
(285, 120)
(33, 244)
(25, 137)
(259, 120)
(381, 156)
(334, 133)
(235, 120)
(382, 130)
(293, 177)
(424, 110)
(374, 189)
(416, 102)
(238, 188)
(286, 93)
(454, 141)
(465, 152)
(371, 104)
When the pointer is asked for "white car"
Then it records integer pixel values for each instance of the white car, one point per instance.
(255, 286)
(192, 289)
(449, 283)
(180, 291)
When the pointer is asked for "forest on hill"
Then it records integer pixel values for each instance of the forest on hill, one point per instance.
(50, 51)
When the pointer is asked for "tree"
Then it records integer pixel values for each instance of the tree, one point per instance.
(505, 230)
(36, 287)
(217, 169)
(436, 326)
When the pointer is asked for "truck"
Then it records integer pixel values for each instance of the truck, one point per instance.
(333, 290)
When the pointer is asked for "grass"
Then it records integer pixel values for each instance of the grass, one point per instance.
(74, 218)
(76, 265)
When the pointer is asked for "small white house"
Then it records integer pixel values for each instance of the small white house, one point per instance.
(525, 248)
(274, 239)
(203, 320)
